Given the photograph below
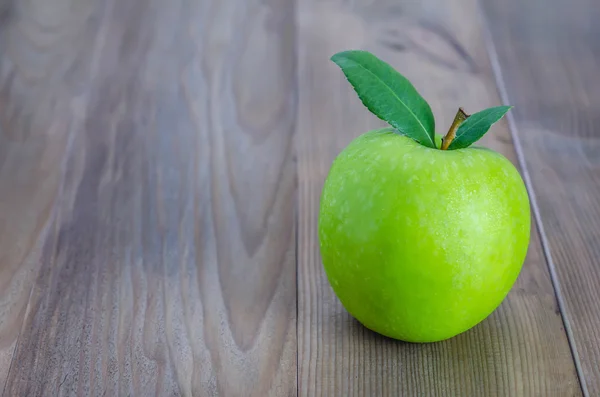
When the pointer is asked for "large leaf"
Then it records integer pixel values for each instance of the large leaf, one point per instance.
(388, 95)
(473, 128)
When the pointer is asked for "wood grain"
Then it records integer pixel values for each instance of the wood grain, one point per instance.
(549, 56)
(34, 134)
(149, 152)
(167, 255)
(520, 350)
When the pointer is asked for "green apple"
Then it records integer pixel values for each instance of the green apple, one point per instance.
(419, 243)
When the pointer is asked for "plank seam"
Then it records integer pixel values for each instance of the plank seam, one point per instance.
(296, 220)
(512, 126)
(297, 197)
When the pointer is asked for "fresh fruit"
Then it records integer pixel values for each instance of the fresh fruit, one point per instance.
(420, 239)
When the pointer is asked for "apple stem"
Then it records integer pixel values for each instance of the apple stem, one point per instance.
(458, 120)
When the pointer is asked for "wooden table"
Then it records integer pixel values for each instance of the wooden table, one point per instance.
(160, 170)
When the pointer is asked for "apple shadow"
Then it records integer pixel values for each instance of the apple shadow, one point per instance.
(489, 359)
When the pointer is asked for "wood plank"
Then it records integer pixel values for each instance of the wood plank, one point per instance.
(35, 118)
(521, 349)
(549, 57)
(170, 266)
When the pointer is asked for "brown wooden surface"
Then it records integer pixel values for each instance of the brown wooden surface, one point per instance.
(168, 267)
(160, 170)
(548, 53)
(521, 349)
(34, 131)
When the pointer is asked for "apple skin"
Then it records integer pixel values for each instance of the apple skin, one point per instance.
(421, 244)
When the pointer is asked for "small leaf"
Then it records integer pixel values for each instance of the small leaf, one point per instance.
(388, 95)
(473, 128)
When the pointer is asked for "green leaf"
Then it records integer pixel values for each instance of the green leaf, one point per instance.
(473, 128)
(388, 95)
